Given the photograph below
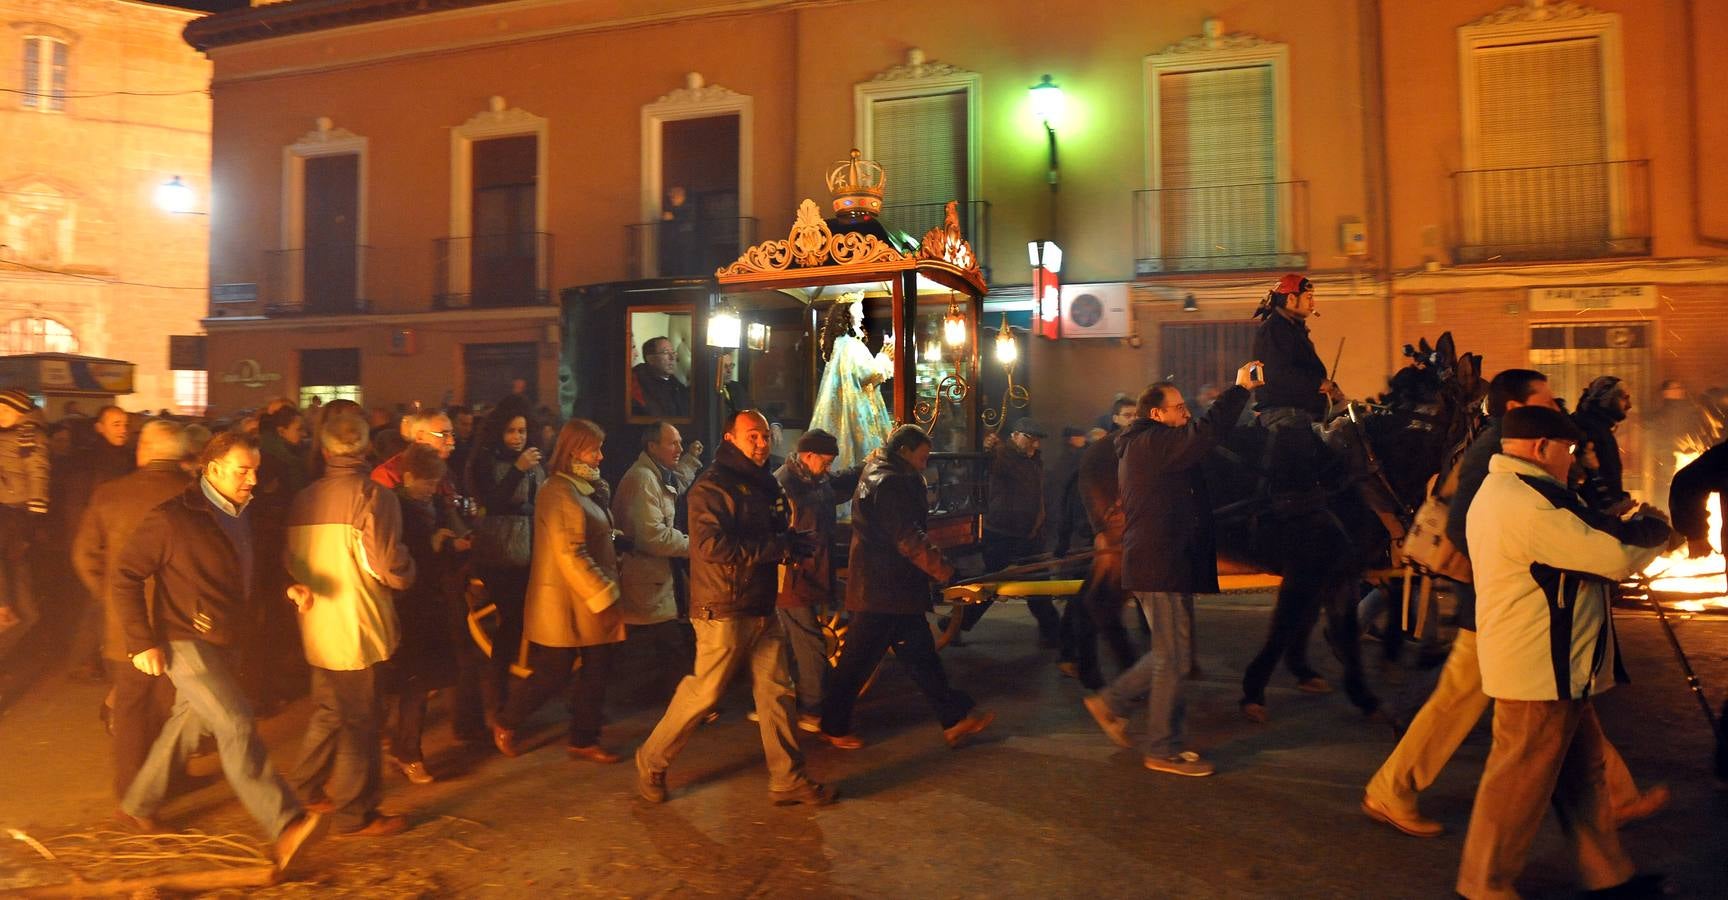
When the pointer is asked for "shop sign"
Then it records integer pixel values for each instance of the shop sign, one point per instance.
(1603, 296)
(86, 375)
(248, 373)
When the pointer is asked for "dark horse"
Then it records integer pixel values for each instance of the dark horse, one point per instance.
(1373, 470)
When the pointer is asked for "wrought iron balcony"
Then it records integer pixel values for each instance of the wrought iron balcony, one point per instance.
(914, 219)
(686, 248)
(1221, 228)
(492, 271)
(1578, 211)
(320, 279)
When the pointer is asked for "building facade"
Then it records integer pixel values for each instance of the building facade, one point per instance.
(409, 190)
(103, 103)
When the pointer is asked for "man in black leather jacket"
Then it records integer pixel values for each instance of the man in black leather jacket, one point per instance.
(739, 536)
(888, 581)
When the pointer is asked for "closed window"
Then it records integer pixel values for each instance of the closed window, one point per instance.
(1542, 173)
(1217, 167)
(45, 62)
(922, 143)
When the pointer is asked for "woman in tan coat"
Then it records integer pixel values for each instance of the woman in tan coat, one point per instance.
(572, 607)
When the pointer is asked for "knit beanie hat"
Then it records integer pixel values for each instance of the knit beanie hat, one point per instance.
(17, 399)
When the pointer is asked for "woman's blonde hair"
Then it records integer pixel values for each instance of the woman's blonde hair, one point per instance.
(577, 437)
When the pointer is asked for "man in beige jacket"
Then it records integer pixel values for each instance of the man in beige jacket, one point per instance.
(346, 556)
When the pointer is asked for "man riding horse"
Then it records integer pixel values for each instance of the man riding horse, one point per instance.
(1310, 547)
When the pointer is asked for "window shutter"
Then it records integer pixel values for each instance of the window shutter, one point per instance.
(336, 366)
(921, 142)
(1540, 104)
(32, 70)
(57, 86)
(1541, 135)
(1217, 166)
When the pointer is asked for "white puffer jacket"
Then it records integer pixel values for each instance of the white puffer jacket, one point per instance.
(1545, 567)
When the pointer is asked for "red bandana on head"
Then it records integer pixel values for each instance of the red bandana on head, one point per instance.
(1290, 284)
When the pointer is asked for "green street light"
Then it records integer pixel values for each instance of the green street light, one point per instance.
(1047, 102)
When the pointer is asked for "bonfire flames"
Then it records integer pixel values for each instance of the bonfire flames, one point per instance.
(1696, 584)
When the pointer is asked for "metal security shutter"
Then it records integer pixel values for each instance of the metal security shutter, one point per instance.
(1541, 132)
(338, 366)
(1217, 163)
(1197, 354)
(921, 143)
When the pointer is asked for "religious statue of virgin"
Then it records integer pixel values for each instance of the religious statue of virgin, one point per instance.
(849, 403)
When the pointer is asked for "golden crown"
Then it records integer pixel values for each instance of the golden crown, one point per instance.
(857, 187)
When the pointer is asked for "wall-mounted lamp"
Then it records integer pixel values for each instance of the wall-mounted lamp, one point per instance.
(1047, 106)
(724, 326)
(176, 196)
(756, 336)
(1189, 304)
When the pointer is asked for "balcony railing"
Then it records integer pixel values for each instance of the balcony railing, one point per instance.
(1219, 228)
(321, 279)
(491, 271)
(1579, 211)
(917, 218)
(686, 248)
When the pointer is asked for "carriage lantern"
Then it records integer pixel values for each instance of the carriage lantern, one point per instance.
(724, 326)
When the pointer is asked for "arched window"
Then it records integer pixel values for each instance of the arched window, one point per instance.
(36, 335)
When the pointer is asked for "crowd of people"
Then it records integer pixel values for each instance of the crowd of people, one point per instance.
(484, 556)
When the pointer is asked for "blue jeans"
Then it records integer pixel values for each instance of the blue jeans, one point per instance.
(1160, 673)
(209, 699)
(809, 650)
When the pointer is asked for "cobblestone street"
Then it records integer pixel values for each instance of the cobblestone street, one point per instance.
(1043, 806)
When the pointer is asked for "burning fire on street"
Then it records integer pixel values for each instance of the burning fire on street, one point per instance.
(1692, 585)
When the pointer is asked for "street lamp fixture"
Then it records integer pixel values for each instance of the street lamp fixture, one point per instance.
(176, 196)
(1048, 105)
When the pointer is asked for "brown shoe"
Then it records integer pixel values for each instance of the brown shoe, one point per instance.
(1411, 823)
(957, 734)
(1114, 726)
(296, 836)
(136, 824)
(809, 792)
(650, 784)
(1649, 803)
(415, 771)
(1185, 763)
(505, 740)
(594, 754)
(1315, 685)
(380, 826)
(840, 741)
(1255, 712)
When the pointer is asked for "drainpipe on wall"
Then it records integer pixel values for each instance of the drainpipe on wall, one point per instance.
(1377, 182)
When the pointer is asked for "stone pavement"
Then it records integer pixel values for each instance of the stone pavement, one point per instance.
(1042, 806)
